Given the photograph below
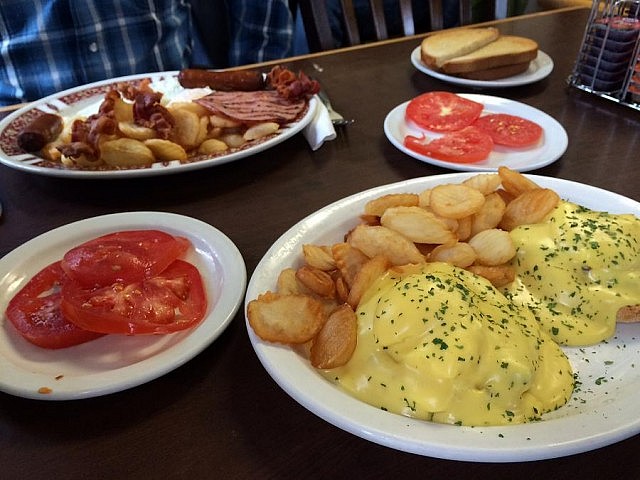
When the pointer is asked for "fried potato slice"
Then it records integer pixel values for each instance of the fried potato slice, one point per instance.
(377, 206)
(529, 207)
(506, 196)
(459, 254)
(286, 318)
(451, 223)
(234, 140)
(498, 275)
(80, 161)
(493, 247)
(485, 183)
(211, 146)
(260, 130)
(463, 232)
(50, 151)
(424, 198)
(317, 281)
(418, 225)
(515, 182)
(136, 132)
(368, 274)
(187, 130)
(126, 152)
(455, 200)
(349, 261)
(319, 257)
(335, 343)
(191, 106)
(490, 215)
(342, 289)
(374, 241)
(288, 284)
(122, 111)
(166, 150)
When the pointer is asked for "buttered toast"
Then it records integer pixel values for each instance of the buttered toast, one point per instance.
(477, 53)
(505, 50)
(496, 72)
(443, 46)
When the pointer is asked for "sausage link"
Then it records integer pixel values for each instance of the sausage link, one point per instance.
(39, 132)
(241, 80)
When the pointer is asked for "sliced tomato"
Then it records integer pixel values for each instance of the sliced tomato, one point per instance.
(442, 111)
(172, 300)
(124, 257)
(468, 145)
(510, 130)
(35, 312)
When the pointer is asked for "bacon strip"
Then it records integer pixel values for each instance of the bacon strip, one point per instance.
(253, 107)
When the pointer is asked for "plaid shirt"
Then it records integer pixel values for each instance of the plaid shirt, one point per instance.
(50, 45)
(260, 30)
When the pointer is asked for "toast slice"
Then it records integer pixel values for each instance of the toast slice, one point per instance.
(440, 47)
(506, 50)
(496, 72)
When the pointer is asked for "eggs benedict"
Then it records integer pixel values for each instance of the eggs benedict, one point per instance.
(576, 271)
(439, 343)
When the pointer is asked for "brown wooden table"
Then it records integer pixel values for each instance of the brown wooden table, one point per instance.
(220, 415)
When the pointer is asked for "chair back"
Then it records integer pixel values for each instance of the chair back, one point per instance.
(331, 24)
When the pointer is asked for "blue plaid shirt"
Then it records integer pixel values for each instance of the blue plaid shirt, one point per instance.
(260, 30)
(50, 45)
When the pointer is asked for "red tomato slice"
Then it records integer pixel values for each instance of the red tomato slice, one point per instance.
(124, 257)
(442, 111)
(170, 301)
(35, 312)
(468, 145)
(510, 130)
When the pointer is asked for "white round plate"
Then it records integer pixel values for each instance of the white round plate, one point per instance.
(115, 362)
(551, 146)
(87, 99)
(603, 409)
(539, 68)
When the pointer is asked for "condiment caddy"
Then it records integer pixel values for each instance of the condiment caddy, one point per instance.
(608, 63)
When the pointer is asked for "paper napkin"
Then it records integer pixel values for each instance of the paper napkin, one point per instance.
(320, 129)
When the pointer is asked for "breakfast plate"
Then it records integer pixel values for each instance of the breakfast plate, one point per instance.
(552, 145)
(603, 408)
(539, 68)
(115, 362)
(86, 99)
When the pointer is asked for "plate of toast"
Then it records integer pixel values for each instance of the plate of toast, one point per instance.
(481, 57)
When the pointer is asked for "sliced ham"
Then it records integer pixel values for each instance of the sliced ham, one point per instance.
(253, 107)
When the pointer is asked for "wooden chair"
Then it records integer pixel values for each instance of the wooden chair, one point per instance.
(315, 18)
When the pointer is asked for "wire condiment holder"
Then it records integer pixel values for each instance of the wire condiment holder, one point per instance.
(608, 64)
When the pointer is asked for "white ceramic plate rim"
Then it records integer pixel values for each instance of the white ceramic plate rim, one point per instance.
(538, 69)
(550, 148)
(115, 362)
(54, 104)
(608, 414)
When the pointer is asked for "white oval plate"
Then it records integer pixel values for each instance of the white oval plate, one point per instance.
(115, 362)
(603, 410)
(87, 99)
(538, 69)
(551, 146)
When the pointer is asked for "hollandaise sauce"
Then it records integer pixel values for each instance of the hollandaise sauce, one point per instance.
(438, 343)
(576, 270)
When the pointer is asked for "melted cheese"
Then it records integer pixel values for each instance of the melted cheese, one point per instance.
(438, 343)
(576, 270)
